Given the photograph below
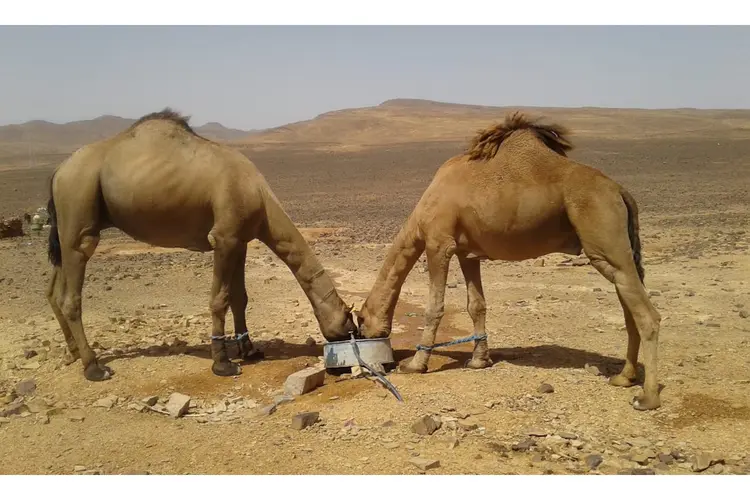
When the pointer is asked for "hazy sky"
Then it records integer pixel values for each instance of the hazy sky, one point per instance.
(258, 77)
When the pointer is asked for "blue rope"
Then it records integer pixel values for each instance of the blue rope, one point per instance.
(387, 383)
(474, 337)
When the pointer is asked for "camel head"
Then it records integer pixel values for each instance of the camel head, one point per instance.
(370, 326)
(342, 327)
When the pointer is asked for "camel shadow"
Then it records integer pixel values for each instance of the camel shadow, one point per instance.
(548, 356)
(273, 351)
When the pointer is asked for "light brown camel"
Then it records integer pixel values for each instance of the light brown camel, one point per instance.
(163, 184)
(514, 195)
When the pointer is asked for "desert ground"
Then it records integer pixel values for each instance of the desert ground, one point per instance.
(549, 322)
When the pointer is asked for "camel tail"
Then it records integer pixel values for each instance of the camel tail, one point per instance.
(633, 232)
(54, 251)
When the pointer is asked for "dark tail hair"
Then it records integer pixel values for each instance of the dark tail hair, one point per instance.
(54, 251)
(633, 229)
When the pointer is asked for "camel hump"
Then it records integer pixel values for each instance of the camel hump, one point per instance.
(487, 142)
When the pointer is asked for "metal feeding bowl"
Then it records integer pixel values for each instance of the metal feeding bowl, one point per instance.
(341, 354)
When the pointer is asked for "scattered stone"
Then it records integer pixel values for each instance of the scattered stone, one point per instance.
(426, 425)
(424, 464)
(304, 420)
(468, 425)
(388, 423)
(639, 442)
(665, 458)
(107, 402)
(9, 397)
(744, 314)
(304, 381)
(593, 461)
(76, 418)
(524, 445)
(282, 398)
(26, 387)
(357, 371)
(701, 462)
(34, 365)
(592, 369)
(14, 409)
(636, 472)
(537, 433)
(539, 263)
(177, 405)
(29, 353)
(266, 410)
(654, 293)
(717, 469)
(567, 435)
(640, 458)
(150, 401)
(310, 342)
(79, 468)
(37, 406)
(546, 389)
(452, 443)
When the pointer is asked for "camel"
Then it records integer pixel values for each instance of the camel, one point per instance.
(161, 183)
(513, 195)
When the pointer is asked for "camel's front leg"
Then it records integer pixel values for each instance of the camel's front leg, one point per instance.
(438, 263)
(477, 308)
(226, 252)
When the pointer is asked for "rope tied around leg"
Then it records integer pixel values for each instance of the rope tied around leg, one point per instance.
(475, 337)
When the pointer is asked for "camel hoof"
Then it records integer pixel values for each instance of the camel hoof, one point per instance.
(410, 367)
(478, 364)
(226, 369)
(621, 381)
(96, 373)
(646, 402)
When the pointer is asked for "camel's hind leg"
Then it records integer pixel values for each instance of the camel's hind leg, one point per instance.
(238, 305)
(75, 255)
(477, 308)
(604, 236)
(54, 297)
(227, 249)
(438, 263)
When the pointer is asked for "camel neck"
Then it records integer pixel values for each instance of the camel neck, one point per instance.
(285, 240)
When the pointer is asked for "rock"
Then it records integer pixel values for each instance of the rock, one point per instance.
(426, 425)
(304, 381)
(545, 389)
(639, 442)
(310, 342)
(150, 400)
(593, 370)
(107, 402)
(717, 469)
(424, 464)
(14, 409)
(177, 405)
(282, 398)
(37, 406)
(388, 423)
(537, 433)
(701, 462)
(76, 418)
(665, 458)
(9, 397)
(79, 468)
(357, 371)
(744, 314)
(391, 446)
(539, 263)
(265, 410)
(304, 420)
(468, 425)
(26, 387)
(34, 365)
(4, 420)
(593, 461)
(640, 458)
(524, 445)
(654, 293)
(636, 472)
(29, 353)
(567, 435)
(452, 443)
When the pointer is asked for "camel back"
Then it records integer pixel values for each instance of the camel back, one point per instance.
(485, 144)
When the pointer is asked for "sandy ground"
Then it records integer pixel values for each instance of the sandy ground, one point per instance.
(145, 310)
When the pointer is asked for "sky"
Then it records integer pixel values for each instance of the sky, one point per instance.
(265, 76)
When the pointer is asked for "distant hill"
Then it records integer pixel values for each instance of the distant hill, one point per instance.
(401, 121)
(42, 137)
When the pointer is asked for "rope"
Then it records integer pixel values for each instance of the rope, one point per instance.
(387, 383)
(474, 337)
